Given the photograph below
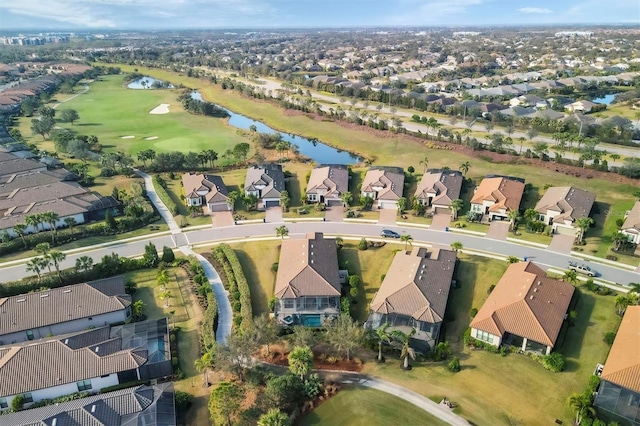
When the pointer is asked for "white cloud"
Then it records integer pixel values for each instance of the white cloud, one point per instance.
(541, 10)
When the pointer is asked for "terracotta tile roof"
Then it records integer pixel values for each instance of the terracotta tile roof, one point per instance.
(442, 186)
(63, 363)
(388, 182)
(571, 203)
(59, 305)
(504, 192)
(149, 405)
(632, 221)
(417, 284)
(525, 303)
(212, 185)
(308, 267)
(268, 175)
(333, 179)
(623, 363)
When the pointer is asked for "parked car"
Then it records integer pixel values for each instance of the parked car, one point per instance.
(582, 269)
(389, 233)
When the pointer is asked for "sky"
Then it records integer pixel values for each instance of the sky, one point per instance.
(222, 14)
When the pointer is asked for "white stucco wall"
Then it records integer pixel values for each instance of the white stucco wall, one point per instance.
(496, 339)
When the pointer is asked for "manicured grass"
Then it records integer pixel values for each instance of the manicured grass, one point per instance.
(521, 390)
(149, 292)
(370, 265)
(533, 237)
(357, 405)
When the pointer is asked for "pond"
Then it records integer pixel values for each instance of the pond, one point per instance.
(148, 83)
(313, 149)
(606, 99)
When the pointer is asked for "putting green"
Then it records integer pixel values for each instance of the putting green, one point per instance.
(111, 111)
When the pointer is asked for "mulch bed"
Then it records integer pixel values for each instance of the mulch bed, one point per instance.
(278, 357)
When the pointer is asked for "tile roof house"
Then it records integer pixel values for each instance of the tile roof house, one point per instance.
(496, 196)
(206, 190)
(85, 361)
(561, 206)
(265, 182)
(525, 308)
(414, 294)
(631, 225)
(152, 405)
(582, 106)
(308, 283)
(63, 310)
(438, 188)
(327, 183)
(385, 185)
(619, 391)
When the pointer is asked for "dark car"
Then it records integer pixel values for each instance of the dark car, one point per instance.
(389, 233)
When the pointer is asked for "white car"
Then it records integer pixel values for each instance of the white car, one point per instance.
(582, 269)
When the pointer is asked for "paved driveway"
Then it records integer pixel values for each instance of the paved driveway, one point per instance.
(219, 219)
(498, 230)
(274, 215)
(561, 243)
(334, 213)
(387, 216)
(440, 221)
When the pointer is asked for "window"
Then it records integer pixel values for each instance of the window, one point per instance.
(28, 398)
(30, 334)
(84, 385)
(484, 336)
(3, 403)
(312, 197)
(288, 303)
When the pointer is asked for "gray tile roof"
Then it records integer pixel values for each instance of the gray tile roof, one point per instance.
(443, 186)
(268, 175)
(417, 284)
(333, 179)
(142, 405)
(389, 179)
(570, 203)
(59, 305)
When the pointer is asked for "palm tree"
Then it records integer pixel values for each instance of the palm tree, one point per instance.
(634, 288)
(273, 417)
(570, 276)
(346, 198)
(42, 248)
(513, 259)
(51, 218)
(456, 246)
(166, 295)
(36, 265)
(383, 336)
(300, 361)
(57, 257)
(70, 222)
(513, 216)
(232, 197)
(583, 223)
(464, 168)
(456, 206)
(162, 279)
(285, 200)
(84, 263)
(203, 364)
(20, 229)
(406, 238)
(137, 309)
(622, 302)
(282, 231)
(34, 221)
(425, 162)
(581, 404)
(406, 351)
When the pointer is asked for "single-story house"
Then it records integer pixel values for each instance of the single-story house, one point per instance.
(385, 185)
(561, 206)
(581, 106)
(327, 183)
(414, 294)
(266, 182)
(619, 391)
(496, 196)
(206, 190)
(308, 283)
(525, 309)
(63, 310)
(631, 225)
(85, 361)
(438, 188)
(152, 405)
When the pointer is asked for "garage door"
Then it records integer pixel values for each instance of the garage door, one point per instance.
(388, 205)
(441, 210)
(218, 207)
(268, 204)
(562, 230)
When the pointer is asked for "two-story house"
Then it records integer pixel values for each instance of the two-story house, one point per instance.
(561, 206)
(206, 190)
(266, 182)
(385, 185)
(438, 188)
(327, 183)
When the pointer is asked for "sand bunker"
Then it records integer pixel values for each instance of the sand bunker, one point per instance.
(127, 137)
(160, 109)
(151, 138)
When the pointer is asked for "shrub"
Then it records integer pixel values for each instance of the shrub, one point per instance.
(491, 287)
(345, 306)
(553, 362)
(161, 190)
(363, 245)
(241, 282)
(454, 364)
(17, 403)
(353, 292)
(210, 322)
(167, 255)
(609, 338)
(184, 401)
(473, 312)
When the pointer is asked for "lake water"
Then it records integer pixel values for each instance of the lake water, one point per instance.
(315, 150)
(606, 99)
(148, 82)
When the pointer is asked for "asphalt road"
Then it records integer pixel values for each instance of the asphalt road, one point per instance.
(541, 256)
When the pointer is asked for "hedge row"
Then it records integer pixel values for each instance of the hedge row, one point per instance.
(242, 284)
(230, 285)
(209, 322)
(161, 190)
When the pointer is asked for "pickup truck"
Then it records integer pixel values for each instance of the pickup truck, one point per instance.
(582, 269)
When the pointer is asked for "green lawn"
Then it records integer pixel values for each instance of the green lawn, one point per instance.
(355, 405)
(515, 389)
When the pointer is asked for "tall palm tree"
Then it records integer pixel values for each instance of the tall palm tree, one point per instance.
(166, 295)
(406, 351)
(582, 405)
(33, 220)
(425, 162)
(20, 230)
(162, 279)
(203, 364)
(634, 288)
(456, 206)
(622, 302)
(51, 218)
(406, 238)
(57, 257)
(282, 231)
(464, 168)
(137, 309)
(36, 266)
(583, 223)
(346, 198)
(84, 263)
(513, 216)
(383, 336)
(571, 276)
(70, 222)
